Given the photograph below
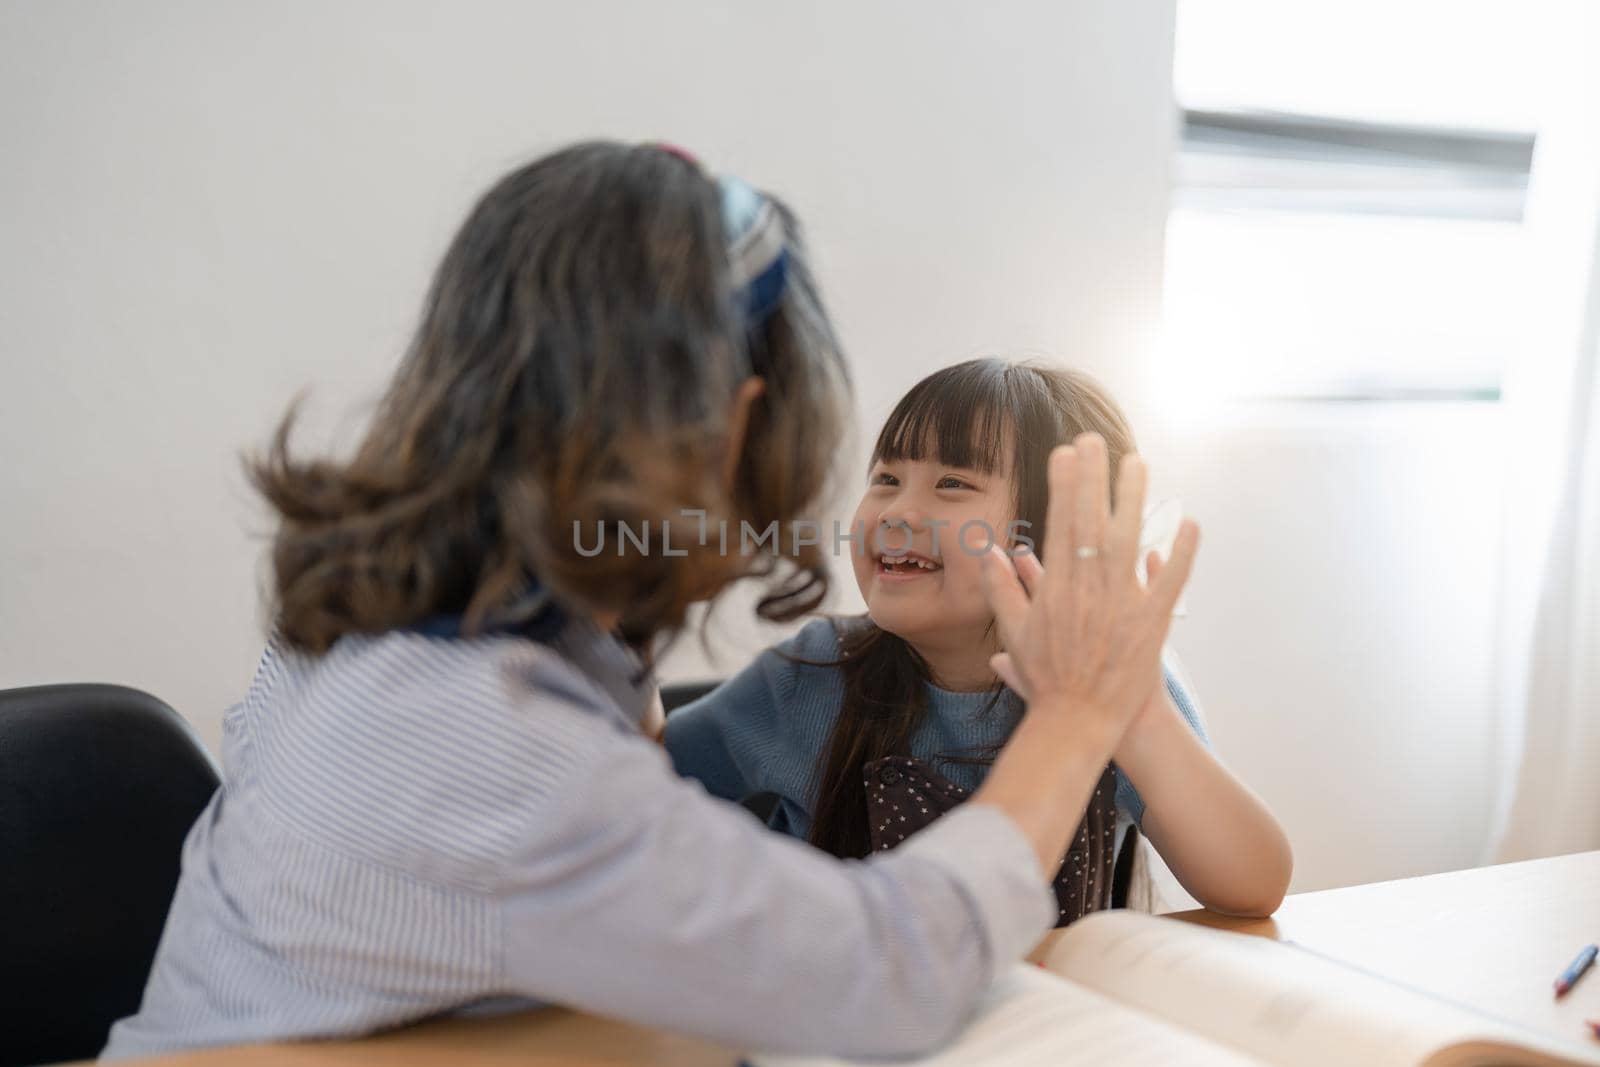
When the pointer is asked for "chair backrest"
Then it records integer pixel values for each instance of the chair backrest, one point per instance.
(99, 785)
(677, 694)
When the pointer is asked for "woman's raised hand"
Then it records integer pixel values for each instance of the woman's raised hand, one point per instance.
(1083, 637)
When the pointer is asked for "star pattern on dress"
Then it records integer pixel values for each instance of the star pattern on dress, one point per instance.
(912, 795)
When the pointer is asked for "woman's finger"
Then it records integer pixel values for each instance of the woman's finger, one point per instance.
(1122, 536)
(1007, 599)
(1058, 543)
(1089, 520)
(1093, 496)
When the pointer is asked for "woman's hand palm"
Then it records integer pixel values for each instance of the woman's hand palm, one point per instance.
(1084, 635)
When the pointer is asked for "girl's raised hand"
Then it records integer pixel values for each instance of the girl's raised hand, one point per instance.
(1083, 638)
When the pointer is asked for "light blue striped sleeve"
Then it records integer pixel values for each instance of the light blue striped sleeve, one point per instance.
(636, 895)
(1128, 799)
(413, 825)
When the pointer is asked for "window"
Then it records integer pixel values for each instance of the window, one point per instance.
(1347, 217)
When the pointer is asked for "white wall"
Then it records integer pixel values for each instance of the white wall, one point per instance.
(1342, 621)
(208, 206)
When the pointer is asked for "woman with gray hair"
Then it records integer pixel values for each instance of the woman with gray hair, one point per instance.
(436, 793)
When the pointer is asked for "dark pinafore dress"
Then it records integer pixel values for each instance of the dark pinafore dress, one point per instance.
(906, 794)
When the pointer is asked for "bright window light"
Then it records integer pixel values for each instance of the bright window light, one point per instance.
(1347, 218)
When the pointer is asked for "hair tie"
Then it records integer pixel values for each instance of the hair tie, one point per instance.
(757, 243)
(674, 150)
(757, 248)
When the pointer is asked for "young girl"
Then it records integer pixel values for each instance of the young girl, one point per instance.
(867, 729)
(437, 795)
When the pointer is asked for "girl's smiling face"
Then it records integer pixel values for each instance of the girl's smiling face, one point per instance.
(924, 526)
(962, 458)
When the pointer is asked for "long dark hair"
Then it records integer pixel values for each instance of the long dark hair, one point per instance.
(975, 415)
(576, 363)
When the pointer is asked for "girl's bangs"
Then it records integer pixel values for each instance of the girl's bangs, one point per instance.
(956, 419)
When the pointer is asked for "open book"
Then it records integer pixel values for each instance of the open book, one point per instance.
(1120, 987)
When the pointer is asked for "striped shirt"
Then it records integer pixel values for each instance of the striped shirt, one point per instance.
(413, 825)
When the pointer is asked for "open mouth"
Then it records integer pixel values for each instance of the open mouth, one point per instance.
(907, 566)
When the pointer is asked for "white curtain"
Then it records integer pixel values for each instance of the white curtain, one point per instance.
(1548, 797)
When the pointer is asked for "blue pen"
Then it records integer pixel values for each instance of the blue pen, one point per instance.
(1575, 969)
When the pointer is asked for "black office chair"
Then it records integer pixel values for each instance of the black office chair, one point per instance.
(678, 694)
(1122, 868)
(99, 784)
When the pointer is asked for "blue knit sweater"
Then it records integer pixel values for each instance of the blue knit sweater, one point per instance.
(766, 730)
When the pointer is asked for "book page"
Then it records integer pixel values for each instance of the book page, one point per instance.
(1282, 1004)
(1030, 1017)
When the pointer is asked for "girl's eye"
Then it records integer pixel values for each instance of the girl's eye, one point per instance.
(884, 478)
(951, 482)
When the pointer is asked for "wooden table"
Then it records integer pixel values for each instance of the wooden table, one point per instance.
(1492, 938)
